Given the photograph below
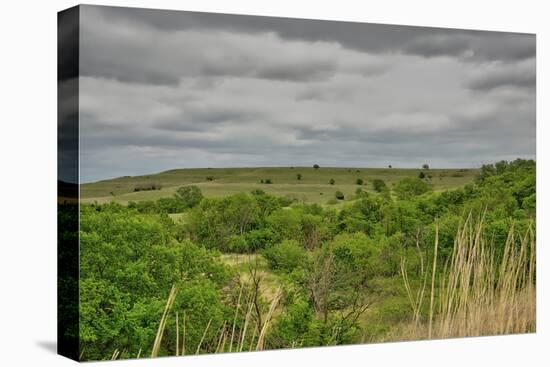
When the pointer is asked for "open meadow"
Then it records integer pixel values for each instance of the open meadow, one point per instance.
(312, 187)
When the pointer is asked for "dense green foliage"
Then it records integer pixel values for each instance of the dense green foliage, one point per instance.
(331, 263)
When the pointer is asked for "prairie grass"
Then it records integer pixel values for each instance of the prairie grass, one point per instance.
(479, 293)
(229, 339)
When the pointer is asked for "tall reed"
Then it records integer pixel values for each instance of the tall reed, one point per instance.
(478, 293)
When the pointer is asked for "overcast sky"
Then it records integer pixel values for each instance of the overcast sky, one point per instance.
(162, 90)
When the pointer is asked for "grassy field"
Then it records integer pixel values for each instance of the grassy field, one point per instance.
(313, 187)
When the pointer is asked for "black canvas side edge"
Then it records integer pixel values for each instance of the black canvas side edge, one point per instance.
(68, 24)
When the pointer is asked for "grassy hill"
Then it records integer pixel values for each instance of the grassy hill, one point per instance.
(314, 185)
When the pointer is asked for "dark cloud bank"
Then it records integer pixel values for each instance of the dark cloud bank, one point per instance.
(162, 90)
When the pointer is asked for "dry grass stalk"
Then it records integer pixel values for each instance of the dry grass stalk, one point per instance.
(203, 336)
(177, 335)
(235, 318)
(183, 336)
(246, 323)
(267, 322)
(434, 267)
(479, 294)
(162, 325)
(416, 302)
(220, 338)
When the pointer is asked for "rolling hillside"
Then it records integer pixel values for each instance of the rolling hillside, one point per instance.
(313, 186)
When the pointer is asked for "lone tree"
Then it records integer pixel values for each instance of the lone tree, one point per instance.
(299, 176)
(188, 196)
(316, 166)
(332, 182)
(389, 166)
(425, 166)
(359, 181)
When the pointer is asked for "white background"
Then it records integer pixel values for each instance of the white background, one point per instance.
(28, 181)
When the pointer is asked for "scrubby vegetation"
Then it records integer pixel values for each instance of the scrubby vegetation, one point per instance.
(252, 271)
(147, 187)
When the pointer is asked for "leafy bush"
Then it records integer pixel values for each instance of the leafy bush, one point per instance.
(286, 256)
(379, 185)
(359, 181)
(409, 187)
(339, 195)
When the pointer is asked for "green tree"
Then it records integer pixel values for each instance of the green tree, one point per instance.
(189, 196)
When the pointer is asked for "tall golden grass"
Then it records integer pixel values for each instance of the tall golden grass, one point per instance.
(238, 339)
(478, 293)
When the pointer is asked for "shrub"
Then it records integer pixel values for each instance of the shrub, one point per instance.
(238, 244)
(425, 166)
(379, 185)
(147, 187)
(339, 195)
(316, 166)
(332, 182)
(209, 178)
(421, 175)
(286, 256)
(298, 176)
(259, 239)
(409, 187)
(268, 181)
(359, 181)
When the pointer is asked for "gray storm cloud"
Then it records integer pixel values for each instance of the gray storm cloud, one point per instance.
(162, 90)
